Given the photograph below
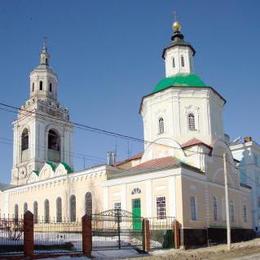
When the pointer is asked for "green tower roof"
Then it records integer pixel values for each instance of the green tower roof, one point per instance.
(180, 80)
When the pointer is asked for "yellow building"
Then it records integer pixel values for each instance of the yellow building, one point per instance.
(180, 174)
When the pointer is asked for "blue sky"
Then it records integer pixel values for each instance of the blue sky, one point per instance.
(107, 55)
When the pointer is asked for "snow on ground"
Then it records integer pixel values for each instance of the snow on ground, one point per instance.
(106, 254)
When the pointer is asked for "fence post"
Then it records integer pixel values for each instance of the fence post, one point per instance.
(28, 234)
(146, 235)
(86, 235)
(176, 232)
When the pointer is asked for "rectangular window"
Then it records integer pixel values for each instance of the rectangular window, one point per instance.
(193, 208)
(161, 207)
(244, 213)
(232, 211)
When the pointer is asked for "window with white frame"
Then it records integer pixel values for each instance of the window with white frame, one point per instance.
(193, 208)
(191, 122)
(161, 125)
(244, 213)
(215, 209)
(161, 207)
(173, 62)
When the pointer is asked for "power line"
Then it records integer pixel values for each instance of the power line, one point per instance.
(96, 129)
(7, 108)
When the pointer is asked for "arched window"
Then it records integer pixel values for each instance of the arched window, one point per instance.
(46, 211)
(46, 61)
(88, 203)
(50, 87)
(161, 125)
(16, 212)
(232, 211)
(173, 62)
(182, 61)
(58, 210)
(215, 209)
(136, 191)
(35, 212)
(25, 207)
(40, 85)
(191, 122)
(53, 140)
(33, 87)
(25, 139)
(72, 208)
(193, 208)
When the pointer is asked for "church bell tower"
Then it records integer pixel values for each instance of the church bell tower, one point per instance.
(42, 131)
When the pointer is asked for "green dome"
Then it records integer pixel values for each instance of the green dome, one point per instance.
(180, 80)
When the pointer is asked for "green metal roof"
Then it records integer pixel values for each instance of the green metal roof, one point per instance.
(52, 164)
(180, 80)
(67, 167)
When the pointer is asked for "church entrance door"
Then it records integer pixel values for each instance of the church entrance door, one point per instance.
(136, 211)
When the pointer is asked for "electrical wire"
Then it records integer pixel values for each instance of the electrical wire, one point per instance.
(25, 112)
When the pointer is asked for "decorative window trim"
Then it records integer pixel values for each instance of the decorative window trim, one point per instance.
(195, 111)
(191, 122)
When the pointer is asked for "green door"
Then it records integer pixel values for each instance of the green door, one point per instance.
(136, 210)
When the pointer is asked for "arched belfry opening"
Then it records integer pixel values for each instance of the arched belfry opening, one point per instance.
(25, 144)
(53, 146)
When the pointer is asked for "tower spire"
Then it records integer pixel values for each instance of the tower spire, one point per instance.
(178, 54)
(44, 56)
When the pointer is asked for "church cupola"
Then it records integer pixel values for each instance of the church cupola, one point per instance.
(43, 80)
(179, 54)
(44, 56)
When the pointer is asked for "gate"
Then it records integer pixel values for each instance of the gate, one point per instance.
(116, 228)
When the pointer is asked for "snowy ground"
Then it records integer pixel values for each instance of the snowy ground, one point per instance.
(107, 254)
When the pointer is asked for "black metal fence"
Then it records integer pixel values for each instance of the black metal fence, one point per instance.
(11, 235)
(112, 229)
(161, 231)
(116, 229)
(57, 237)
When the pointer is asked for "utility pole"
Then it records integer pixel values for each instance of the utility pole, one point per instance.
(227, 203)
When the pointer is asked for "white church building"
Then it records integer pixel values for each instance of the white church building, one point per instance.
(178, 174)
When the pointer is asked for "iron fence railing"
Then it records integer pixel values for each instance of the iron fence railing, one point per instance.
(57, 236)
(161, 232)
(11, 234)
